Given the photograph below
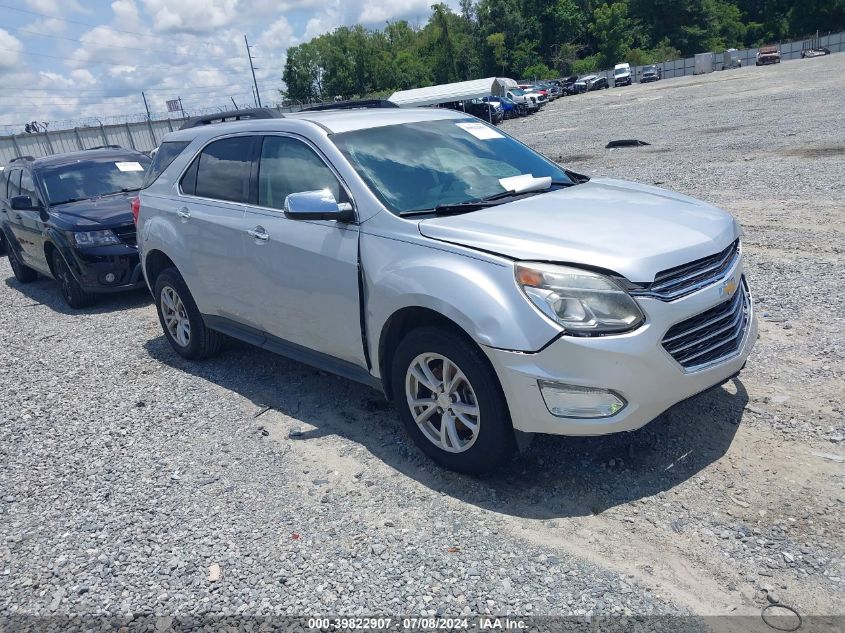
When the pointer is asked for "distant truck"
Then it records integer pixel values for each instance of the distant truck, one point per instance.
(768, 55)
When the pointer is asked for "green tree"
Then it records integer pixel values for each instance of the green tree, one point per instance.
(612, 29)
(496, 42)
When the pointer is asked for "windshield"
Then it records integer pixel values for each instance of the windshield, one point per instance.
(649, 69)
(418, 166)
(621, 71)
(90, 179)
(518, 92)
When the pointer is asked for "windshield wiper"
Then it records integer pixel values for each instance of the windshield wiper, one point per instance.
(68, 201)
(452, 208)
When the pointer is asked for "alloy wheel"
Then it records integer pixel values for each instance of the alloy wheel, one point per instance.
(442, 402)
(175, 316)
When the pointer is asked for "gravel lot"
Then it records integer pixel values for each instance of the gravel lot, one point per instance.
(133, 482)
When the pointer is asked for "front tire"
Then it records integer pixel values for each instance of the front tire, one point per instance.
(181, 320)
(450, 401)
(24, 274)
(72, 292)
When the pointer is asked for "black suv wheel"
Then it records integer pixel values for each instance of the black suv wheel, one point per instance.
(24, 274)
(72, 292)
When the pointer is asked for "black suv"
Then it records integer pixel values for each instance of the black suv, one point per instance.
(69, 217)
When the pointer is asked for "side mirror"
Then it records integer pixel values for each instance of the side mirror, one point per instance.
(22, 203)
(317, 205)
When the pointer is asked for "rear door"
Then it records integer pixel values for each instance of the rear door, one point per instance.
(30, 231)
(210, 217)
(12, 218)
(303, 274)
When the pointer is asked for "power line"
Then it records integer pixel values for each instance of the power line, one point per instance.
(63, 19)
(121, 47)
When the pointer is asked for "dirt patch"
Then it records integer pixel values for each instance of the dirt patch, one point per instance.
(825, 151)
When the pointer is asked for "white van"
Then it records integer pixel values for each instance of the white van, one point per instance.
(622, 75)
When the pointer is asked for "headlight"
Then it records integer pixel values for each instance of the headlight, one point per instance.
(581, 301)
(95, 238)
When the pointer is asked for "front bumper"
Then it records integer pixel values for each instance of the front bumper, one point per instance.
(633, 365)
(92, 268)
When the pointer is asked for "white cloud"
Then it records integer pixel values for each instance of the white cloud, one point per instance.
(125, 13)
(191, 17)
(278, 35)
(10, 50)
(377, 12)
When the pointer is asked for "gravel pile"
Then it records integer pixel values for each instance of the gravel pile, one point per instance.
(133, 482)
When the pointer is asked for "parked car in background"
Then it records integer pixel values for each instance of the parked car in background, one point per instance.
(814, 52)
(522, 98)
(68, 217)
(536, 90)
(431, 256)
(552, 88)
(650, 73)
(510, 109)
(567, 85)
(768, 55)
(490, 112)
(622, 75)
(591, 82)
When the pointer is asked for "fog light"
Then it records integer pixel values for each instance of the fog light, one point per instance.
(110, 278)
(572, 401)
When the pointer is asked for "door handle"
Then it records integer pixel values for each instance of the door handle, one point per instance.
(18, 216)
(259, 233)
(184, 213)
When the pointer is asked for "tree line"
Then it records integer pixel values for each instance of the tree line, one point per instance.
(538, 39)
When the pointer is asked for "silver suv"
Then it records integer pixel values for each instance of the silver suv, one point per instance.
(488, 292)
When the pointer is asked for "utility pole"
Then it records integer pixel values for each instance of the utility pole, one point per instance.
(181, 108)
(252, 68)
(233, 102)
(145, 104)
(254, 98)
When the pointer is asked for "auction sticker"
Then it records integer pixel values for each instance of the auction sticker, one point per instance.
(129, 166)
(479, 130)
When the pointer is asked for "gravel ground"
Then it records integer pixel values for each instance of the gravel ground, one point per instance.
(134, 482)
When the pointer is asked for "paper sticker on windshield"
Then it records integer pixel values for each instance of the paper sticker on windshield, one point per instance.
(479, 130)
(129, 166)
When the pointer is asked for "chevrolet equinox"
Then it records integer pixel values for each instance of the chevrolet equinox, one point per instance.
(487, 291)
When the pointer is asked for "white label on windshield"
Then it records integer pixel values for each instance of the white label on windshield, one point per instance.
(130, 166)
(479, 130)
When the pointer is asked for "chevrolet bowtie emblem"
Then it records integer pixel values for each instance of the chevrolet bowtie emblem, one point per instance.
(728, 288)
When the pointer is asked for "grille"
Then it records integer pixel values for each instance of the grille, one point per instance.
(126, 234)
(682, 280)
(711, 336)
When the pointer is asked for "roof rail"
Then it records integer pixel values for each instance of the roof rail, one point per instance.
(231, 115)
(104, 147)
(22, 158)
(352, 105)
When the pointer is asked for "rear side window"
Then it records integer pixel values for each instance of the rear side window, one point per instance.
(224, 169)
(166, 154)
(14, 184)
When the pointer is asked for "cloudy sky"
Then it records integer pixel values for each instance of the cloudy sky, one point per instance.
(71, 59)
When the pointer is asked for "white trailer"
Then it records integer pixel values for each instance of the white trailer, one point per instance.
(704, 63)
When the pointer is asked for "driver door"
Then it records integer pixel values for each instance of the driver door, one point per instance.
(303, 274)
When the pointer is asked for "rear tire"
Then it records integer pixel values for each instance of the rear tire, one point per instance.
(478, 435)
(181, 321)
(72, 292)
(24, 274)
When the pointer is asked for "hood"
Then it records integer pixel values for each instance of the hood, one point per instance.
(631, 229)
(106, 212)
